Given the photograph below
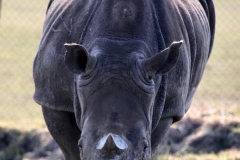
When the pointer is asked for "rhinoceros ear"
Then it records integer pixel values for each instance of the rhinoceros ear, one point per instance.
(162, 62)
(77, 59)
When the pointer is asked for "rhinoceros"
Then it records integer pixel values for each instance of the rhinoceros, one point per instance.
(113, 75)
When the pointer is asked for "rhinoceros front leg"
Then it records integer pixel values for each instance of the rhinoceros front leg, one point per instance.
(64, 131)
(159, 132)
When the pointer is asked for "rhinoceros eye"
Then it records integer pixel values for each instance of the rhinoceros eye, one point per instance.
(80, 142)
(145, 145)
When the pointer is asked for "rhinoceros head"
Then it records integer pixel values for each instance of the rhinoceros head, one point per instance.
(116, 92)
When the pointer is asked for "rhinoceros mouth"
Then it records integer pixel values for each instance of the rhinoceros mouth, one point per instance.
(111, 155)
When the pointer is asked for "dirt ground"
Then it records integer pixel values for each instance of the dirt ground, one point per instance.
(198, 132)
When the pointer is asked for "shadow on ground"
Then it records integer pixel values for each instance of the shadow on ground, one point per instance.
(15, 145)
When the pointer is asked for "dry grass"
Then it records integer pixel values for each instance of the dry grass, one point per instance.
(233, 154)
(207, 132)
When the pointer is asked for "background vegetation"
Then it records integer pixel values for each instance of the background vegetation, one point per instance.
(216, 102)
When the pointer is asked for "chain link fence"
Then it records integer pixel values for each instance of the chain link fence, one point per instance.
(20, 33)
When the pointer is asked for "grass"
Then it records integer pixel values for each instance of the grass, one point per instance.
(20, 33)
(21, 26)
(218, 131)
(221, 79)
(224, 155)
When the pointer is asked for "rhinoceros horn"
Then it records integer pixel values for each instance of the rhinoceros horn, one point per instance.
(110, 142)
(162, 62)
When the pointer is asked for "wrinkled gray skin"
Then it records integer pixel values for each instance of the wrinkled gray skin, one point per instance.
(113, 75)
